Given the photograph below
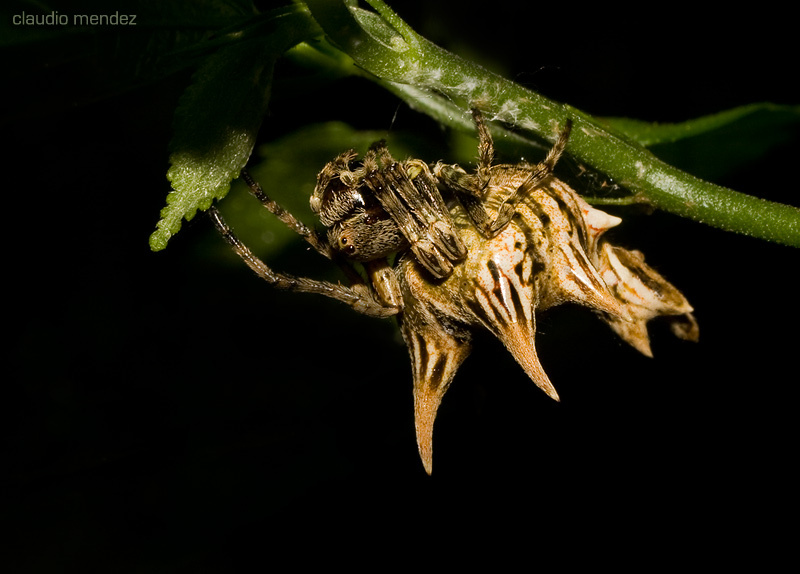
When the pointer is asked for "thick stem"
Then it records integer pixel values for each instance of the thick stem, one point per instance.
(445, 86)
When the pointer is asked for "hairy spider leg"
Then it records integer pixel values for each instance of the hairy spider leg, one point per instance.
(427, 224)
(408, 192)
(470, 190)
(485, 150)
(539, 175)
(311, 236)
(358, 296)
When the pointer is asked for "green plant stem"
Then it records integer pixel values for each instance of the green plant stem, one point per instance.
(446, 86)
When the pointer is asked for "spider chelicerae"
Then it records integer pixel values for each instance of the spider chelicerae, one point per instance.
(450, 252)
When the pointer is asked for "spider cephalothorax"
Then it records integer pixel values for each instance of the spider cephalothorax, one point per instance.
(483, 250)
(378, 207)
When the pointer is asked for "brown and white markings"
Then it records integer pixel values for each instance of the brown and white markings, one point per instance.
(483, 250)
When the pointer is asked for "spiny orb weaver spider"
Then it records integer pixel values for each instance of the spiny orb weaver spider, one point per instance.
(482, 250)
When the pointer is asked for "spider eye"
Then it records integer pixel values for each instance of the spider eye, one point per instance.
(346, 246)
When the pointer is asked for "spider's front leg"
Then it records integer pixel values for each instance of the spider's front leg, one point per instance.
(471, 189)
(408, 193)
(358, 295)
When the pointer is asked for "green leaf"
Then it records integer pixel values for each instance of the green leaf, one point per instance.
(218, 118)
(753, 116)
(714, 146)
(216, 124)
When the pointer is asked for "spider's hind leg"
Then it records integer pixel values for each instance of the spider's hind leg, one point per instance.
(485, 149)
(471, 190)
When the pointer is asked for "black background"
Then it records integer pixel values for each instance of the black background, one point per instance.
(169, 412)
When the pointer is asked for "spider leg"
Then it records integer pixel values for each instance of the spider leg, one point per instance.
(485, 149)
(469, 189)
(311, 236)
(544, 169)
(409, 195)
(358, 296)
(318, 242)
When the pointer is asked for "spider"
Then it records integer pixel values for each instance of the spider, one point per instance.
(380, 207)
(481, 250)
